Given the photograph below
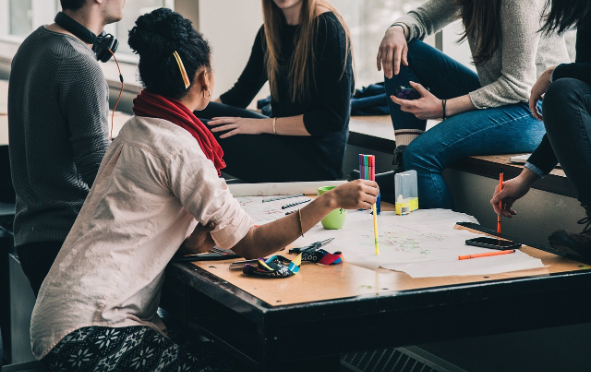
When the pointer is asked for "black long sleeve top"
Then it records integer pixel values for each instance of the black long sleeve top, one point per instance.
(543, 158)
(326, 109)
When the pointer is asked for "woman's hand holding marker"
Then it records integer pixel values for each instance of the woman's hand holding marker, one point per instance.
(358, 194)
(512, 190)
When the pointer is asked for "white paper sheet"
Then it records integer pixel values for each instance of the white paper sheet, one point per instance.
(281, 188)
(451, 266)
(263, 213)
(422, 244)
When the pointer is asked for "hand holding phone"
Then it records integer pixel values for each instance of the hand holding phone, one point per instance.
(492, 243)
(404, 92)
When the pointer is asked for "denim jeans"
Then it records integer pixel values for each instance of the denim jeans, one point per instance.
(502, 130)
(567, 105)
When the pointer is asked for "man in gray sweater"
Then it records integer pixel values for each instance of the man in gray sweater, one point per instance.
(58, 131)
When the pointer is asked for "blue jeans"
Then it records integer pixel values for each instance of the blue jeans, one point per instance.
(503, 130)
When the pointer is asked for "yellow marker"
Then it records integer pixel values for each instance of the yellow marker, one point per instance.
(375, 228)
(294, 266)
(262, 263)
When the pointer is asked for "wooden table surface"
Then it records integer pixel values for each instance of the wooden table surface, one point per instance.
(321, 283)
(345, 308)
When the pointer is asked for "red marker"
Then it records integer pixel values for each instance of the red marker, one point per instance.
(497, 253)
(500, 205)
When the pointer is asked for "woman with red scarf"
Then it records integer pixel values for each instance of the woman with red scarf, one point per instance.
(158, 189)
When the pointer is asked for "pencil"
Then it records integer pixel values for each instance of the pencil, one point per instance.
(500, 205)
(295, 203)
(372, 160)
(375, 228)
(488, 254)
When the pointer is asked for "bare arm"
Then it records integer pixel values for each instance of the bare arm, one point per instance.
(269, 238)
(288, 126)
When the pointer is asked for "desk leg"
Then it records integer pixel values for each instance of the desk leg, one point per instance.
(274, 352)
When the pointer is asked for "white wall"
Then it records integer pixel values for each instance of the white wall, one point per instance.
(231, 27)
(460, 52)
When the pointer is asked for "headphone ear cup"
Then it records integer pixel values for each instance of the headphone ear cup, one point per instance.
(102, 46)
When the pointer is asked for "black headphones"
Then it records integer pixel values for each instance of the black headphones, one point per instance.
(101, 44)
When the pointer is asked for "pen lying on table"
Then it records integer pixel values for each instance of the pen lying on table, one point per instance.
(488, 254)
(312, 246)
(215, 254)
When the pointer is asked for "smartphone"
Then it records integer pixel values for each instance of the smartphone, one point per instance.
(493, 243)
(404, 92)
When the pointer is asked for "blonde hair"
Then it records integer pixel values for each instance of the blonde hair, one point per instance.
(301, 67)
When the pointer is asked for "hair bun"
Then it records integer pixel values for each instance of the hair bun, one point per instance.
(159, 33)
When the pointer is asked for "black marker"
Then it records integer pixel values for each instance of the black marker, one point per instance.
(296, 203)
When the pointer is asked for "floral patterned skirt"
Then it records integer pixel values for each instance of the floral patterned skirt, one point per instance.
(136, 348)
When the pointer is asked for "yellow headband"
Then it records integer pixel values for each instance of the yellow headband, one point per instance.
(182, 68)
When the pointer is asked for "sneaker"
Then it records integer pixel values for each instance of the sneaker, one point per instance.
(397, 161)
(578, 245)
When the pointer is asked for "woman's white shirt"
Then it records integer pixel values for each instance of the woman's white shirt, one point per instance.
(152, 189)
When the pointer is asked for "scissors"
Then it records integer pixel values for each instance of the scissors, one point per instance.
(312, 247)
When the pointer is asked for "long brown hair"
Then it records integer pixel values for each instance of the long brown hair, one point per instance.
(301, 66)
(560, 15)
(482, 21)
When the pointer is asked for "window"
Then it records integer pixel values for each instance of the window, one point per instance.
(18, 18)
(133, 9)
(21, 17)
(367, 21)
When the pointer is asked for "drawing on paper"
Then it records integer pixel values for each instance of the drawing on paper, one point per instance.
(397, 242)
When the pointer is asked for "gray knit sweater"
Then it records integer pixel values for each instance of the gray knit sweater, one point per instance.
(521, 58)
(58, 132)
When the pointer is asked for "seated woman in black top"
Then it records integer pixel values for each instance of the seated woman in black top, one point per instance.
(566, 113)
(304, 51)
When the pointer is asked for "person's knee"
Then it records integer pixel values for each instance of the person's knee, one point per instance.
(418, 47)
(563, 96)
(414, 158)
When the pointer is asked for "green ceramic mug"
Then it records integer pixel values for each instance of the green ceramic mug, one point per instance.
(335, 219)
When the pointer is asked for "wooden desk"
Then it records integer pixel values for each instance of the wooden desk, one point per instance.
(306, 321)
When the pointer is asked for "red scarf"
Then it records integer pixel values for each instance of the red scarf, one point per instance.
(156, 106)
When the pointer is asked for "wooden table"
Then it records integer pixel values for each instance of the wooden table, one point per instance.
(305, 322)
